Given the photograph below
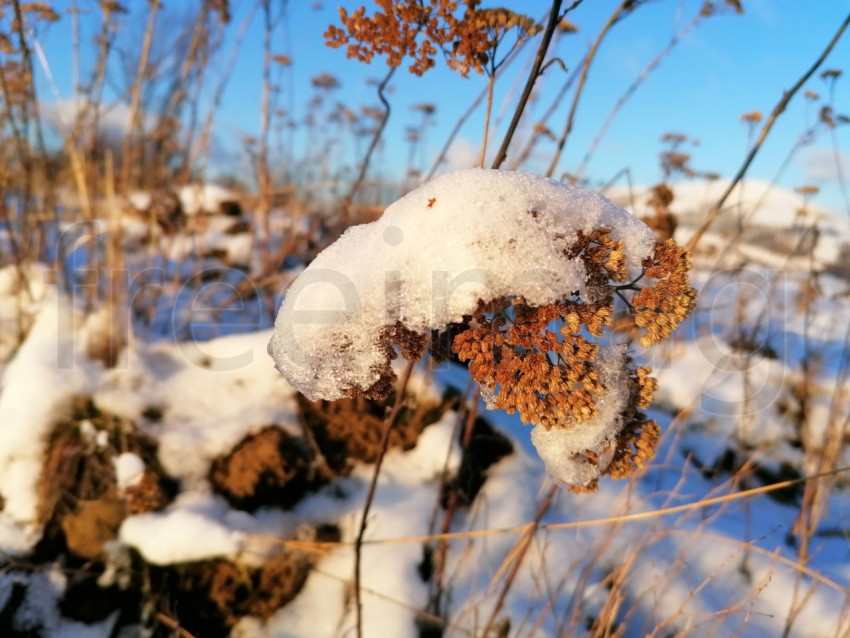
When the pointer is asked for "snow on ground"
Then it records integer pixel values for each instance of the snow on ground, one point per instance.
(728, 569)
(49, 358)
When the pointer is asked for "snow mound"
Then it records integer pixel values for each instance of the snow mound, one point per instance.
(464, 237)
(179, 535)
(204, 198)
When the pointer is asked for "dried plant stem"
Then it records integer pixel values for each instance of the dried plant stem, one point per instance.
(134, 116)
(517, 555)
(116, 291)
(839, 170)
(364, 165)
(466, 115)
(94, 88)
(389, 422)
(199, 151)
(467, 413)
(263, 177)
(173, 625)
(554, 18)
(32, 104)
(765, 130)
(627, 5)
(519, 158)
(596, 522)
(491, 80)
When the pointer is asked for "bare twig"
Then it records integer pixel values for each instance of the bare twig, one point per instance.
(389, 422)
(518, 553)
(626, 5)
(364, 165)
(640, 79)
(133, 123)
(554, 18)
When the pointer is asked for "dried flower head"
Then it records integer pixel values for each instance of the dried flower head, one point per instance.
(752, 117)
(410, 28)
(659, 309)
(565, 26)
(543, 362)
(542, 349)
(324, 81)
(663, 222)
(807, 190)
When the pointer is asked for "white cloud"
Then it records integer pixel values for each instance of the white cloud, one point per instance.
(462, 154)
(819, 164)
(113, 118)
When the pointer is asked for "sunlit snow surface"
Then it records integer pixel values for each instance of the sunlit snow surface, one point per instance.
(724, 570)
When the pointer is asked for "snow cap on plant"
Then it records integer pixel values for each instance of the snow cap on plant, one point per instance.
(518, 277)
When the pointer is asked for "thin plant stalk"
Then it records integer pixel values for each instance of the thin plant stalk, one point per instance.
(518, 554)
(133, 118)
(554, 18)
(199, 151)
(376, 138)
(491, 80)
(780, 107)
(626, 5)
(389, 422)
(263, 177)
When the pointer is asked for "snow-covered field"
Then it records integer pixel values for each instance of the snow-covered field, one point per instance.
(753, 390)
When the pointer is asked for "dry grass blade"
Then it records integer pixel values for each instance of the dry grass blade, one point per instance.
(594, 522)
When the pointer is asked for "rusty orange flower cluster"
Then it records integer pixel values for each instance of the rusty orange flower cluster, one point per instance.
(542, 362)
(409, 28)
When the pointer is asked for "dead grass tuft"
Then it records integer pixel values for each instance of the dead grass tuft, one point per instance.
(268, 468)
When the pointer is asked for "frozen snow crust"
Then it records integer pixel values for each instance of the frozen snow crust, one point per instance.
(464, 237)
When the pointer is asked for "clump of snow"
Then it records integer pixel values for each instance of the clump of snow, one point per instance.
(129, 469)
(140, 200)
(38, 383)
(468, 236)
(561, 449)
(204, 198)
(179, 535)
(21, 290)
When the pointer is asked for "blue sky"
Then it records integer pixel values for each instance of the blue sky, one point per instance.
(727, 66)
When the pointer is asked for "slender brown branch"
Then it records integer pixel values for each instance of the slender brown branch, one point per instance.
(490, 82)
(133, 123)
(626, 5)
(458, 125)
(554, 18)
(364, 165)
(263, 177)
(389, 422)
(768, 125)
(519, 552)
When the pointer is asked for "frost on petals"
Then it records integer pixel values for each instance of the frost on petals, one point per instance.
(519, 277)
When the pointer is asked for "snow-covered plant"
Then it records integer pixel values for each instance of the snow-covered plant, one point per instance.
(515, 275)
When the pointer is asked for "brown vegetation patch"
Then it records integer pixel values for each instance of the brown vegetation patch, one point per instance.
(80, 505)
(210, 597)
(484, 448)
(350, 430)
(663, 222)
(268, 468)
